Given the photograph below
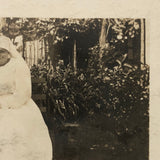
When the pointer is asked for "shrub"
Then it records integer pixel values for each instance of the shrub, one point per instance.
(116, 92)
(114, 99)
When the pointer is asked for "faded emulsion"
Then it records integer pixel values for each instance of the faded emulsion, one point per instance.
(74, 89)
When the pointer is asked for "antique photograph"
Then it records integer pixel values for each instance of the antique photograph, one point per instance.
(74, 89)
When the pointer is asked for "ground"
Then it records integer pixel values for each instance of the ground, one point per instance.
(89, 140)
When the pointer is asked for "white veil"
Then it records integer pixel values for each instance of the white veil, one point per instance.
(6, 43)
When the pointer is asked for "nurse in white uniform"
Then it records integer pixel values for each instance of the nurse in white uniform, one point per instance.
(23, 132)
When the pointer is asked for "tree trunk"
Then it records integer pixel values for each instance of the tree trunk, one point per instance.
(142, 50)
(23, 51)
(75, 58)
(54, 51)
(103, 35)
(46, 45)
(51, 51)
(102, 38)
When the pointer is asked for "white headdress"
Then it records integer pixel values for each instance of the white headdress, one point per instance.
(6, 43)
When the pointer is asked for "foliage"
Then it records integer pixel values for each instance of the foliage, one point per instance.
(35, 28)
(115, 91)
(124, 28)
(60, 29)
(115, 102)
(110, 92)
(61, 90)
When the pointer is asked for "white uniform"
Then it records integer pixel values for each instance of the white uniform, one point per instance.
(23, 132)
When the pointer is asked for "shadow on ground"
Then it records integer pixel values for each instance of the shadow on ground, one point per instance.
(96, 140)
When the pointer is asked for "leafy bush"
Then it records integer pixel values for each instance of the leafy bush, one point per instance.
(120, 93)
(116, 100)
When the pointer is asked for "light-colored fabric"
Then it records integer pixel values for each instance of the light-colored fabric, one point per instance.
(23, 132)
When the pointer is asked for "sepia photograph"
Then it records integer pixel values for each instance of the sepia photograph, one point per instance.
(74, 89)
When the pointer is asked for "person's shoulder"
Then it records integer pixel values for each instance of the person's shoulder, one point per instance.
(20, 64)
